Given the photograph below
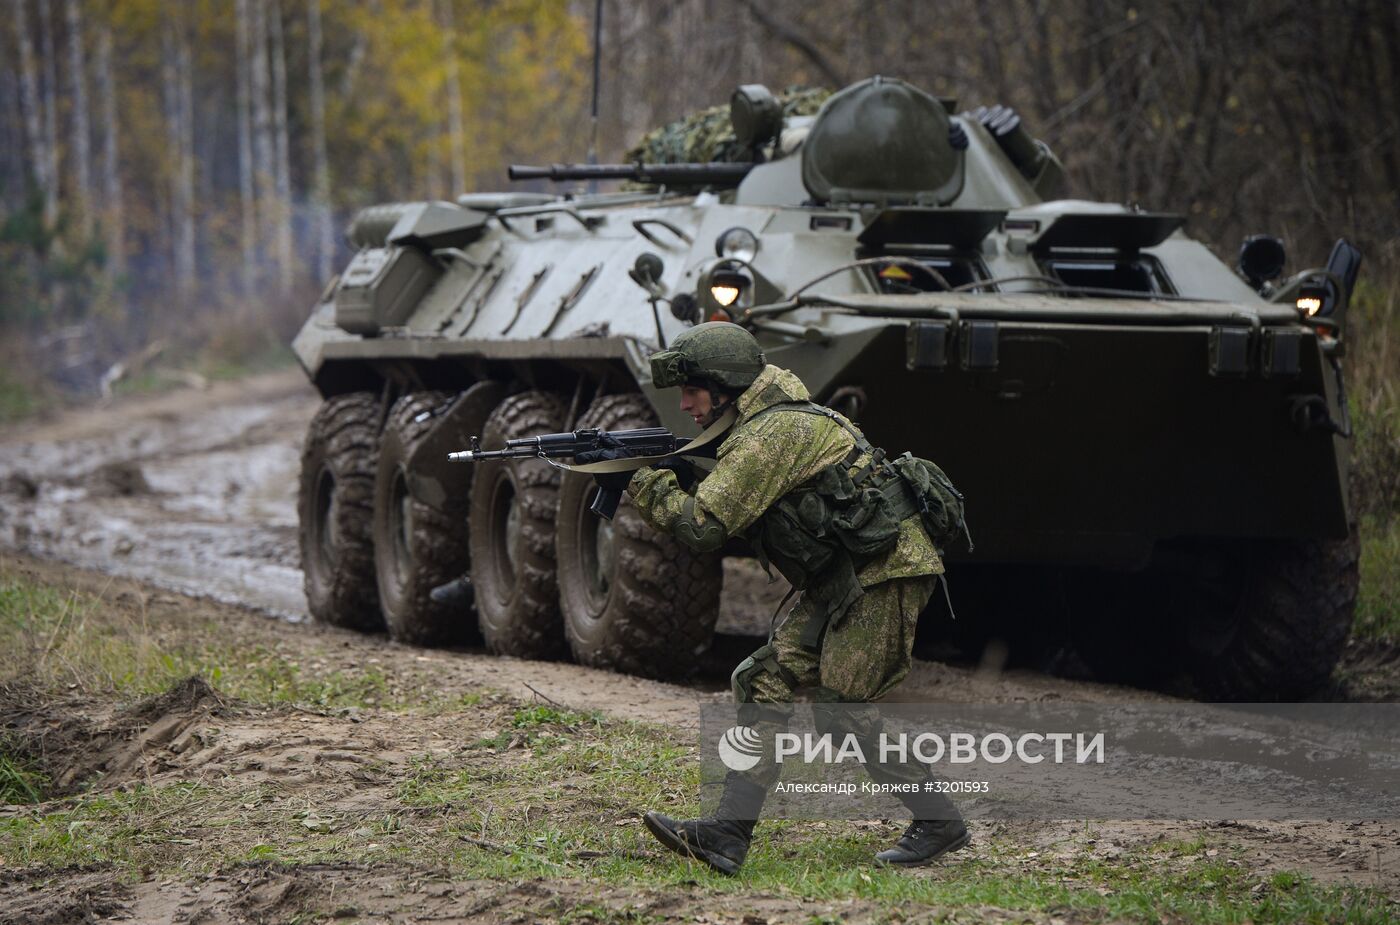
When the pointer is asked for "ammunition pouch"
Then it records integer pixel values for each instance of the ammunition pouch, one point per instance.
(940, 504)
(821, 534)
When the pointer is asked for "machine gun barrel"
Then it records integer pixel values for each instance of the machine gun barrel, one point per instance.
(711, 174)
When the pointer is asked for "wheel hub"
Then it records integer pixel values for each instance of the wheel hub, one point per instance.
(401, 509)
(598, 555)
(603, 560)
(506, 535)
(513, 535)
(324, 520)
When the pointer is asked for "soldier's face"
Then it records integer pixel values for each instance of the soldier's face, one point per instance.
(696, 402)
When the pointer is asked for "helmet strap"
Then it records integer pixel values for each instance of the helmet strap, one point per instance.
(717, 405)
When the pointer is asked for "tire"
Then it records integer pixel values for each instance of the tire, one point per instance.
(1244, 621)
(417, 547)
(335, 500)
(634, 600)
(513, 508)
(1288, 628)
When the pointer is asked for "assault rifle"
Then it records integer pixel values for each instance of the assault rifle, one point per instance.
(644, 443)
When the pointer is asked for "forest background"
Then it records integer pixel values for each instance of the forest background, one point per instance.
(180, 172)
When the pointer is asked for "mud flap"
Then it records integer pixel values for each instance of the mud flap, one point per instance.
(432, 478)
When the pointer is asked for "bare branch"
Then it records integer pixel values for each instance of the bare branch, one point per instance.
(789, 33)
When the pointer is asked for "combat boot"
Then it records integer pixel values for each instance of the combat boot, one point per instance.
(722, 841)
(937, 829)
(457, 593)
(926, 841)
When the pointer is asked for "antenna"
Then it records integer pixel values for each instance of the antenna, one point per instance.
(597, 57)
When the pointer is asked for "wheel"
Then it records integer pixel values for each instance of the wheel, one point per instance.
(1286, 630)
(417, 547)
(335, 499)
(1245, 621)
(513, 508)
(634, 600)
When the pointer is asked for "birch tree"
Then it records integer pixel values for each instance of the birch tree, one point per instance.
(325, 244)
(114, 219)
(184, 178)
(32, 107)
(50, 96)
(264, 169)
(81, 146)
(248, 232)
(282, 166)
(174, 64)
(456, 133)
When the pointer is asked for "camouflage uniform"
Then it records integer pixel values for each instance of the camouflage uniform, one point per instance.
(851, 633)
(867, 651)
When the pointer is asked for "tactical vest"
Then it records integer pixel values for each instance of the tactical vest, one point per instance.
(819, 535)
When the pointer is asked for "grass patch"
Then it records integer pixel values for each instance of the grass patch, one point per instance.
(20, 780)
(1378, 604)
(18, 399)
(565, 808)
(538, 791)
(208, 365)
(56, 639)
(1373, 338)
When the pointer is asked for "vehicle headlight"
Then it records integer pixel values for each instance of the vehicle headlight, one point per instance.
(725, 289)
(738, 244)
(726, 286)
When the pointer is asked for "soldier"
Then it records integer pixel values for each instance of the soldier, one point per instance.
(851, 633)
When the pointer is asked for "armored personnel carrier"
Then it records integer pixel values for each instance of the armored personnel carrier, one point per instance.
(1153, 444)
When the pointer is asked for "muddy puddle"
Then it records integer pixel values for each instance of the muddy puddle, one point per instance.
(194, 492)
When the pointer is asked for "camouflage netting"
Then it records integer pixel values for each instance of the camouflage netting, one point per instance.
(706, 136)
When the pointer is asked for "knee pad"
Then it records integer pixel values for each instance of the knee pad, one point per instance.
(764, 660)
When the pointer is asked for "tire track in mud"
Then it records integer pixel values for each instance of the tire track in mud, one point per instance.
(190, 491)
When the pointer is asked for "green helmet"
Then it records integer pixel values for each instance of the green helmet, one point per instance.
(716, 352)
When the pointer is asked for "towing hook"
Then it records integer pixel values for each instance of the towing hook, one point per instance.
(1310, 413)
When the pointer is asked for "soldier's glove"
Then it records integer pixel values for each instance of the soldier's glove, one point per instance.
(686, 472)
(609, 448)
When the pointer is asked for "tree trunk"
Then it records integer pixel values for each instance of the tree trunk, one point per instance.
(456, 133)
(113, 209)
(184, 178)
(282, 174)
(32, 106)
(325, 244)
(82, 135)
(50, 88)
(12, 147)
(264, 169)
(248, 235)
(175, 100)
(170, 114)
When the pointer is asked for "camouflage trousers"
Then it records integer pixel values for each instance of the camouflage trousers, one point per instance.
(861, 658)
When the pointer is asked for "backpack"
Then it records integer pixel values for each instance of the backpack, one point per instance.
(941, 505)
